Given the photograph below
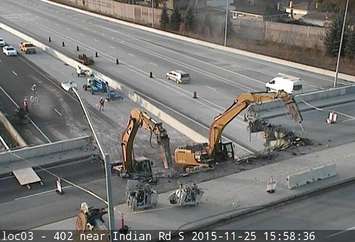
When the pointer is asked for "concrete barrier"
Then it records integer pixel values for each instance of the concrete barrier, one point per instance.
(311, 175)
(12, 131)
(130, 93)
(45, 154)
(307, 97)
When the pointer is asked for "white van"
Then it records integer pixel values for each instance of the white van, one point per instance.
(289, 84)
(179, 77)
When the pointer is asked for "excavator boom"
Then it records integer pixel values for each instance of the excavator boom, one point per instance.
(239, 105)
(139, 119)
(205, 153)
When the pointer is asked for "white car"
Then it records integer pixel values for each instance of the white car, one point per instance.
(179, 77)
(2, 42)
(9, 51)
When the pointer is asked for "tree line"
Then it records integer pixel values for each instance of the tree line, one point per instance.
(333, 36)
(174, 21)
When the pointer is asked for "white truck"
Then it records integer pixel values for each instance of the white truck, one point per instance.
(283, 82)
(180, 77)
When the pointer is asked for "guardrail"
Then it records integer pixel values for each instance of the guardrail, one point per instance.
(46, 154)
(271, 107)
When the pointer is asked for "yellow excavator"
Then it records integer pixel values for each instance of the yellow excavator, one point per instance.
(141, 167)
(215, 150)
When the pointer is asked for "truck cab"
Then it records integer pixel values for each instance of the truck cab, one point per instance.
(27, 48)
(180, 77)
(287, 83)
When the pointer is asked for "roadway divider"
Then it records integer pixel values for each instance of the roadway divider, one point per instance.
(327, 97)
(12, 131)
(311, 175)
(130, 93)
(46, 154)
(209, 44)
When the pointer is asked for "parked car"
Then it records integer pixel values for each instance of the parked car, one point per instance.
(2, 42)
(289, 84)
(9, 51)
(178, 76)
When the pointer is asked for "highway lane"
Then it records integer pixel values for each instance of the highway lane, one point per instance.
(217, 76)
(53, 118)
(331, 210)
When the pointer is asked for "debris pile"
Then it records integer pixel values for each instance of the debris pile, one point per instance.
(276, 136)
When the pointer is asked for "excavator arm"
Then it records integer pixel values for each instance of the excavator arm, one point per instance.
(139, 119)
(204, 154)
(240, 104)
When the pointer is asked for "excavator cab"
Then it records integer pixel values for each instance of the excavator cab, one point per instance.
(224, 151)
(215, 150)
(142, 169)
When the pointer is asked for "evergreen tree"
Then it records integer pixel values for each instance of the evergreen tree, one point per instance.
(175, 20)
(350, 46)
(332, 39)
(164, 19)
(189, 19)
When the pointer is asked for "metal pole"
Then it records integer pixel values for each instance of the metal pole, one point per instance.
(105, 157)
(111, 212)
(152, 13)
(226, 24)
(341, 45)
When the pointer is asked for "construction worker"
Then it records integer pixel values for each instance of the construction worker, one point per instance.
(25, 105)
(101, 104)
(34, 96)
(34, 89)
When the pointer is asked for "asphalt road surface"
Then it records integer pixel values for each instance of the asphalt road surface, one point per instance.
(53, 118)
(332, 214)
(217, 76)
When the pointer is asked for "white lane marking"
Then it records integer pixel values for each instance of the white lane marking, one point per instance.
(39, 130)
(130, 54)
(154, 64)
(262, 59)
(13, 101)
(143, 73)
(157, 54)
(112, 47)
(33, 123)
(14, 72)
(174, 88)
(41, 193)
(341, 232)
(212, 88)
(59, 113)
(328, 110)
(158, 81)
(4, 143)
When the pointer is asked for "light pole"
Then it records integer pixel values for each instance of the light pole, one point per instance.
(341, 45)
(105, 157)
(226, 24)
(152, 13)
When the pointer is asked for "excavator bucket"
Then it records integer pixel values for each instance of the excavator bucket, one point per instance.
(294, 111)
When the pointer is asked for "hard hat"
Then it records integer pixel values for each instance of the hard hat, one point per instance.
(84, 207)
